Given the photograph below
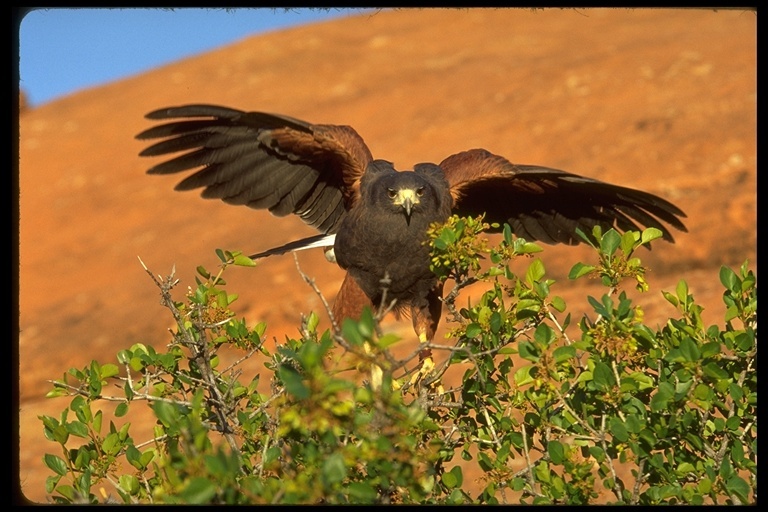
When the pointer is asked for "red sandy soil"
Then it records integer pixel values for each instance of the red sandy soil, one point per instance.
(662, 100)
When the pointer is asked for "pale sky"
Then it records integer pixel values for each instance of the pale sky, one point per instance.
(62, 50)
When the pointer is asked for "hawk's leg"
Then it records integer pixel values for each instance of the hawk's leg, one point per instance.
(426, 317)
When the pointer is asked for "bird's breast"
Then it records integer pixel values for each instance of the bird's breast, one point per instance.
(371, 248)
(382, 237)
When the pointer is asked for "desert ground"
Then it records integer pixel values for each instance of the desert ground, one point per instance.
(662, 100)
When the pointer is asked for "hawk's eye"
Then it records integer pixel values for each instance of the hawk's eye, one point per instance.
(391, 193)
(420, 191)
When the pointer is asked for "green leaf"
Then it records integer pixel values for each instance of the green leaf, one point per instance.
(137, 364)
(243, 261)
(528, 350)
(585, 376)
(527, 247)
(56, 464)
(735, 391)
(619, 430)
(123, 432)
(689, 350)
(544, 336)
(628, 240)
(484, 462)
(729, 279)
(49, 422)
(556, 452)
(713, 370)
(453, 478)
(736, 485)
(684, 468)
(351, 332)
(523, 376)
(51, 482)
(111, 444)
(507, 234)
(737, 452)
(60, 434)
(199, 490)
(648, 441)
(221, 298)
(167, 413)
(633, 423)
(293, 381)
(147, 457)
(78, 404)
(272, 454)
(129, 484)
(580, 269)
(56, 392)
(388, 339)
(121, 409)
(670, 298)
(495, 322)
(710, 349)
(82, 458)
(312, 321)
(133, 455)
(473, 330)
(535, 271)
(564, 353)
(643, 380)
(650, 234)
(662, 396)
(77, 429)
(603, 376)
(109, 370)
(610, 242)
(558, 303)
(97, 419)
(601, 308)
(94, 382)
(68, 492)
(334, 470)
(362, 492)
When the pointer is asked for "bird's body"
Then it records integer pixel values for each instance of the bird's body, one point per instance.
(379, 216)
(383, 248)
(374, 242)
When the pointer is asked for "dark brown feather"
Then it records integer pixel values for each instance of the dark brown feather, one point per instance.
(263, 160)
(546, 204)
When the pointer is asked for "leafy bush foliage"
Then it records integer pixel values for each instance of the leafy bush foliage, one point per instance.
(624, 414)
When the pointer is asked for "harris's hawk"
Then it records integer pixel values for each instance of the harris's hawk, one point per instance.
(374, 216)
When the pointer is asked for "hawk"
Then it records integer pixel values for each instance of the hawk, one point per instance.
(374, 216)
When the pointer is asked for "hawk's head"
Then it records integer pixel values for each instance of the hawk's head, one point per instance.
(423, 192)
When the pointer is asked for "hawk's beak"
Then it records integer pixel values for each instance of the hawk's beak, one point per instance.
(406, 197)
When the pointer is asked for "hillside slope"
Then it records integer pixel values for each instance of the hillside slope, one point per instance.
(662, 100)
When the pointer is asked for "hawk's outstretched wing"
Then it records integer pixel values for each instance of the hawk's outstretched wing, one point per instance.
(263, 160)
(546, 204)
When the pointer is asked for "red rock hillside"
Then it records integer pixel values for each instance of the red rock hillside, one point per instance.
(663, 100)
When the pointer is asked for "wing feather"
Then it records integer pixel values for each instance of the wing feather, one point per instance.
(262, 160)
(544, 204)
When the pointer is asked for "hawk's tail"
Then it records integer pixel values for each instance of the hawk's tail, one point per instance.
(311, 242)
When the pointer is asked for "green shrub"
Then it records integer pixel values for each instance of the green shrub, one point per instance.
(624, 414)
